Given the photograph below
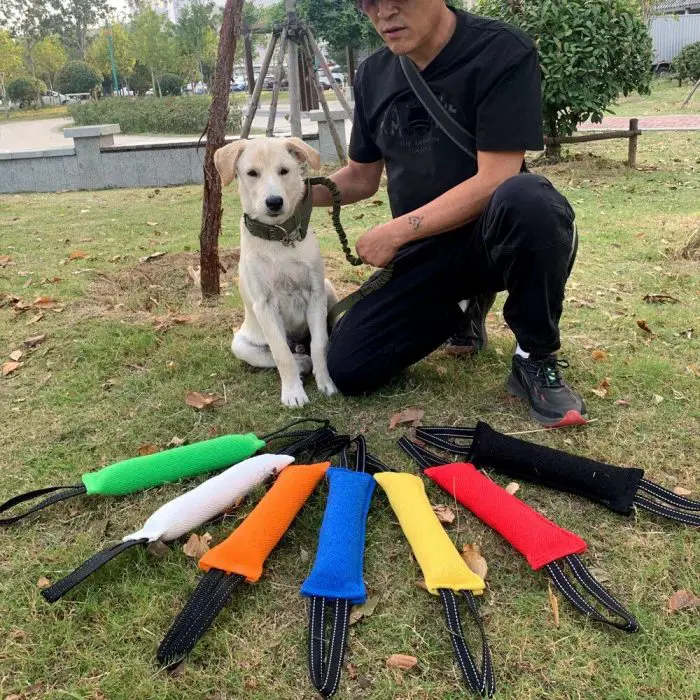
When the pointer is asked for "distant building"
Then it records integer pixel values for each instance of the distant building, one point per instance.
(676, 7)
(674, 25)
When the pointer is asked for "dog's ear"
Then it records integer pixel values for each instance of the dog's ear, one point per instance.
(303, 152)
(225, 160)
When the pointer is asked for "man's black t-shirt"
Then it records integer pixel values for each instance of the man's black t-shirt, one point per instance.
(488, 77)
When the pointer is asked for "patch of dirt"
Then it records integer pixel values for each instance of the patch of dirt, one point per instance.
(153, 290)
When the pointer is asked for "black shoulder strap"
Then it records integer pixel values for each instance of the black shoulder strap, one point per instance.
(456, 132)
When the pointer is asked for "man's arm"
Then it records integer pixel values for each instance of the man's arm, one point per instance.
(356, 181)
(457, 207)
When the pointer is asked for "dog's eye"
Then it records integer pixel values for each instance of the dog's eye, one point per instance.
(284, 171)
(252, 173)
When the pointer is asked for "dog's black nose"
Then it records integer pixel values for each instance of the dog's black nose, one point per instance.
(274, 203)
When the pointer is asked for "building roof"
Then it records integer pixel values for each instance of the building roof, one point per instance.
(667, 6)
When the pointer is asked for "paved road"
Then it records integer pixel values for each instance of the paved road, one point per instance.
(48, 133)
(672, 122)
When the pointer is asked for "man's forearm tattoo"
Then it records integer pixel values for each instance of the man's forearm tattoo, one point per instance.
(416, 222)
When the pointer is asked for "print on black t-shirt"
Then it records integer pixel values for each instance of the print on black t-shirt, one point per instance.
(487, 76)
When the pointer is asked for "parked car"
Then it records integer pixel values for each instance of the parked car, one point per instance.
(239, 86)
(51, 97)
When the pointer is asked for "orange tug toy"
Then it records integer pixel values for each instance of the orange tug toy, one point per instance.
(240, 558)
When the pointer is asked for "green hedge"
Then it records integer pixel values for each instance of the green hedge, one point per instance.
(153, 115)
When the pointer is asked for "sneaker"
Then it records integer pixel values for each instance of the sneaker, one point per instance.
(553, 402)
(471, 336)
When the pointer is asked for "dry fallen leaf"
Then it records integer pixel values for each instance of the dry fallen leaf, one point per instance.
(34, 319)
(147, 449)
(44, 302)
(420, 583)
(409, 415)
(602, 390)
(10, 367)
(152, 256)
(445, 514)
(16, 355)
(5, 260)
(77, 255)
(42, 583)
(152, 223)
(34, 341)
(622, 402)
(513, 488)
(657, 399)
(176, 442)
(196, 547)
(682, 599)
(554, 604)
(181, 319)
(352, 671)
(199, 400)
(680, 491)
(643, 325)
(158, 549)
(599, 355)
(177, 671)
(364, 610)
(661, 299)
(471, 553)
(401, 661)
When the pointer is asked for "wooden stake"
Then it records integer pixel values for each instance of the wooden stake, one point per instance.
(324, 66)
(252, 108)
(632, 150)
(276, 87)
(686, 102)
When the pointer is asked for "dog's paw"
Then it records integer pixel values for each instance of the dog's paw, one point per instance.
(304, 364)
(294, 396)
(326, 386)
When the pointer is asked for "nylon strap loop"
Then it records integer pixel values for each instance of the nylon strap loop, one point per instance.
(283, 431)
(89, 567)
(480, 681)
(592, 586)
(206, 602)
(326, 657)
(60, 493)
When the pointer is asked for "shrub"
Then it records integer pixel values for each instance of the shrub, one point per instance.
(686, 65)
(140, 79)
(26, 91)
(155, 115)
(591, 51)
(76, 76)
(170, 84)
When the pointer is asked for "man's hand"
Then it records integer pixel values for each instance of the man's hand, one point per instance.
(378, 246)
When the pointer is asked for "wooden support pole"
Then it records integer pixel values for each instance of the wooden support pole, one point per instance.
(632, 150)
(276, 87)
(293, 68)
(253, 106)
(306, 49)
(327, 71)
(597, 136)
(686, 102)
(248, 51)
(350, 56)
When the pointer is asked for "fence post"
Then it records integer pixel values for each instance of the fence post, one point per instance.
(632, 151)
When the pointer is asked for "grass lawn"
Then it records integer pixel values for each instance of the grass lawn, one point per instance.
(112, 375)
(666, 98)
(34, 114)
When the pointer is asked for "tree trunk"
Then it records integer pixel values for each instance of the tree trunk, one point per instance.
(553, 152)
(216, 135)
(153, 82)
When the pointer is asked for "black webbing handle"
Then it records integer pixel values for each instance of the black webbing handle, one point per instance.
(480, 681)
(60, 493)
(326, 657)
(87, 568)
(206, 602)
(591, 585)
(285, 431)
(443, 438)
(671, 505)
(422, 457)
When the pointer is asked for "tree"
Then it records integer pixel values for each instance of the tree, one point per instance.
(72, 19)
(340, 24)
(26, 91)
(196, 34)
(171, 84)
(686, 65)
(140, 79)
(216, 136)
(11, 59)
(48, 57)
(76, 76)
(98, 53)
(591, 52)
(154, 44)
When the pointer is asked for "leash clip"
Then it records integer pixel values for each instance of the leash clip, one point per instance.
(291, 238)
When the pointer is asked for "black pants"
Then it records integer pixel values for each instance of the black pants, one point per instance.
(523, 243)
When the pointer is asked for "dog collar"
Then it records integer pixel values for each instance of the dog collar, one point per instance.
(289, 232)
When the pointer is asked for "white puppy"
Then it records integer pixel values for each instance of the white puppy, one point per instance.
(285, 294)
